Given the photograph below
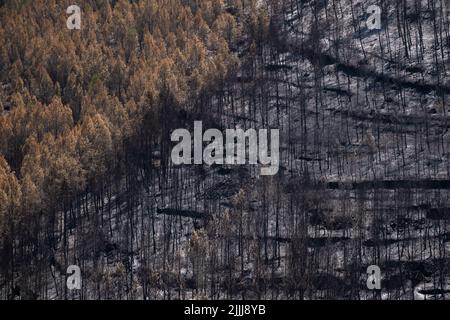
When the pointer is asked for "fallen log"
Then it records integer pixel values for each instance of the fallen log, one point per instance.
(184, 213)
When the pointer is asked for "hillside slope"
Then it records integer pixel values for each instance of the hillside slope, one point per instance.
(363, 179)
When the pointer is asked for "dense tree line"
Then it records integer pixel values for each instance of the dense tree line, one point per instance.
(81, 104)
(85, 171)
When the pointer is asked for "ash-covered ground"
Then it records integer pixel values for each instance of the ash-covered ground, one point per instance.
(364, 175)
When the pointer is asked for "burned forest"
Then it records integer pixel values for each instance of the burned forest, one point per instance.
(353, 94)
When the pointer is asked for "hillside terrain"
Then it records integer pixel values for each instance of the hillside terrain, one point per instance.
(86, 176)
